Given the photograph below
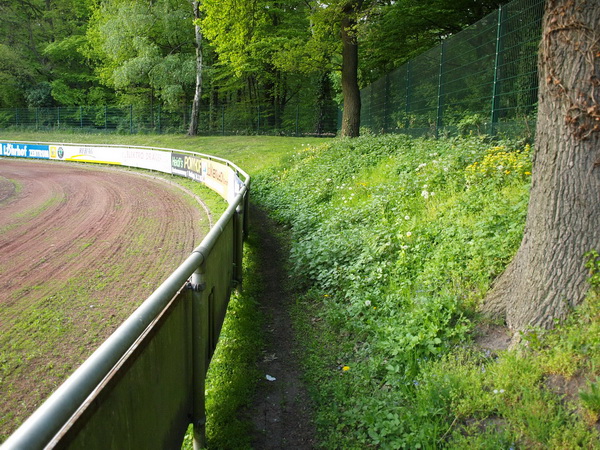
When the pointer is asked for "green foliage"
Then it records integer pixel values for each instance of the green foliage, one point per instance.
(144, 49)
(396, 241)
(591, 397)
(43, 38)
(398, 31)
(593, 264)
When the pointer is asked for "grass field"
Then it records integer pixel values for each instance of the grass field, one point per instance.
(251, 153)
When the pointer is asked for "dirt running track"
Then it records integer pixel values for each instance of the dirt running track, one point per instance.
(80, 248)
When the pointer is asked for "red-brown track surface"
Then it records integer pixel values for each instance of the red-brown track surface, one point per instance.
(80, 248)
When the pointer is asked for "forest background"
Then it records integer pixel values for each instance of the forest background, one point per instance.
(287, 55)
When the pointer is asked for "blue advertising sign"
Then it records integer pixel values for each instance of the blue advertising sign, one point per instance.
(25, 150)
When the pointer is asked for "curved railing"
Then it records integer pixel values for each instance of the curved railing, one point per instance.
(145, 384)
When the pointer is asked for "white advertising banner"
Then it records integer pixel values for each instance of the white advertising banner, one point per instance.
(132, 157)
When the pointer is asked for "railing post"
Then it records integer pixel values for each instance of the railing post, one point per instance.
(407, 105)
(496, 83)
(159, 122)
(386, 97)
(440, 100)
(238, 243)
(258, 120)
(200, 328)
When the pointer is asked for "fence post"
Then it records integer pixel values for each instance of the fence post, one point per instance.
(385, 102)
(496, 83)
(58, 115)
(130, 119)
(159, 120)
(297, 117)
(223, 120)
(105, 117)
(258, 120)
(440, 102)
(200, 330)
(37, 125)
(407, 105)
(16, 116)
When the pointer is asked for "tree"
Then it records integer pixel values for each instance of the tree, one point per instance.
(250, 39)
(350, 89)
(41, 40)
(547, 276)
(389, 33)
(145, 50)
(193, 129)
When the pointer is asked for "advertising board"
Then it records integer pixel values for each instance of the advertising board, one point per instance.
(216, 175)
(131, 157)
(187, 165)
(24, 150)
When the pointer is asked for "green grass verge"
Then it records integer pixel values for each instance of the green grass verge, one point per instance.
(233, 372)
(251, 153)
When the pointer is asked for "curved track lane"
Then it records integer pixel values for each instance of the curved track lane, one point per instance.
(80, 248)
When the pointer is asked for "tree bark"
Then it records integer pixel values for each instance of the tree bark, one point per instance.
(350, 90)
(547, 276)
(194, 119)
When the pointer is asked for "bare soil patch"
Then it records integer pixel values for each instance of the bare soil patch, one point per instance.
(493, 337)
(80, 248)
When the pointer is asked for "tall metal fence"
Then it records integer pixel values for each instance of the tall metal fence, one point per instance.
(483, 79)
(233, 118)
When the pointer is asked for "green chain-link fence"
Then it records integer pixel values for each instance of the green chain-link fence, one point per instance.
(483, 79)
(235, 118)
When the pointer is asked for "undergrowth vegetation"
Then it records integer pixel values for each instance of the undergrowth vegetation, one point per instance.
(395, 242)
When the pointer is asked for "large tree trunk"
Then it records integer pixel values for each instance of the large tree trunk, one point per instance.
(547, 276)
(193, 129)
(350, 90)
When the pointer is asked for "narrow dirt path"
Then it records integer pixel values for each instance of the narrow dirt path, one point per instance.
(281, 411)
